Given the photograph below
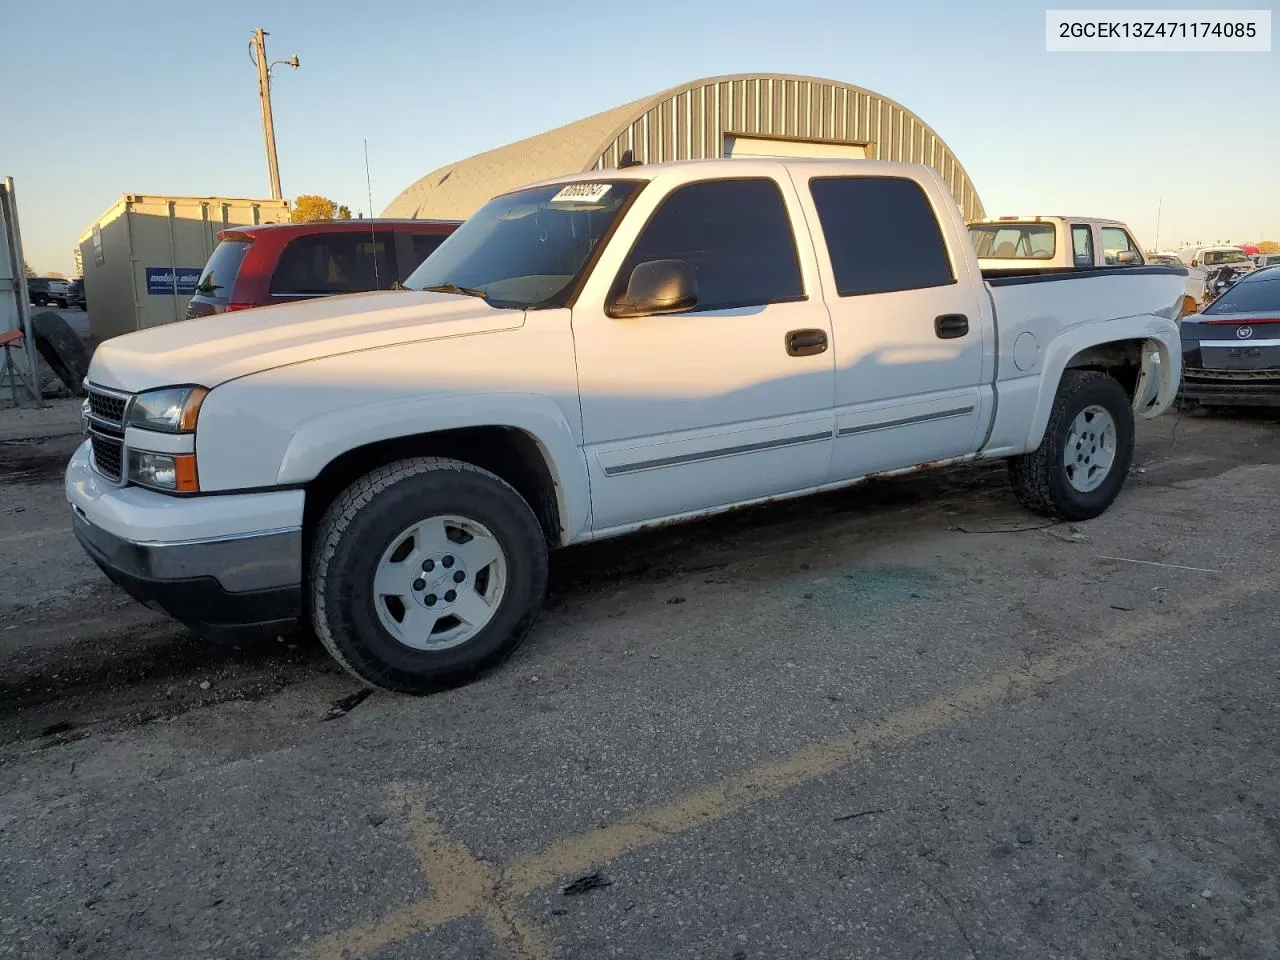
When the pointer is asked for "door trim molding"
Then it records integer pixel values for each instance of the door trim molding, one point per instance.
(906, 421)
(638, 465)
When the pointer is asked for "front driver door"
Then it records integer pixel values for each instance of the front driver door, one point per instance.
(723, 403)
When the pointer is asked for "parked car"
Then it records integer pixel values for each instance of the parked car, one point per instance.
(286, 262)
(1205, 261)
(1231, 350)
(1164, 259)
(75, 294)
(1047, 244)
(48, 292)
(584, 358)
(1261, 260)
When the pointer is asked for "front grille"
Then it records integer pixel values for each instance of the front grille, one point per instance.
(108, 454)
(106, 406)
(107, 412)
(1234, 376)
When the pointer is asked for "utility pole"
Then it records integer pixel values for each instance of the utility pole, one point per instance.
(258, 54)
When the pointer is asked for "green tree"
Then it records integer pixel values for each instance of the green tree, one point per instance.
(311, 206)
(26, 269)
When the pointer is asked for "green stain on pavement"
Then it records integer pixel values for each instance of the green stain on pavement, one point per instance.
(850, 591)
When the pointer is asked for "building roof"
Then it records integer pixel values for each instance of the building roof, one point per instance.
(687, 122)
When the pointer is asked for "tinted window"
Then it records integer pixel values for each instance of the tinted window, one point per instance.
(734, 233)
(335, 263)
(1082, 245)
(1020, 241)
(217, 280)
(1115, 240)
(881, 234)
(421, 246)
(1250, 295)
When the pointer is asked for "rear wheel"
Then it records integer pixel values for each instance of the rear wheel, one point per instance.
(1084, 458)
(426, 572)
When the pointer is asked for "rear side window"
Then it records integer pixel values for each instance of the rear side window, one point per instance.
(882, 235)
(335, 263)
(1115, 240)
(1082, 244)
(734, 233)
(218, 279)
(418, 247)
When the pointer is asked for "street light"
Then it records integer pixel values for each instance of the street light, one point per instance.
(258, 54)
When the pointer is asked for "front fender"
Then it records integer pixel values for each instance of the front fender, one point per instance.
(1161, 364)
(320, 440)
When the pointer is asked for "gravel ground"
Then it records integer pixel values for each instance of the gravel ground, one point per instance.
(908, 720)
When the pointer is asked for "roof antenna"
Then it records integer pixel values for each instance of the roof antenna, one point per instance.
(373, 238)
(628, 159)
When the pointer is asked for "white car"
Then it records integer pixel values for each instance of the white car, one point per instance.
(584, 358)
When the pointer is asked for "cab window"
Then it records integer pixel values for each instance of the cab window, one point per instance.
(1082, 244)
(1116, 241)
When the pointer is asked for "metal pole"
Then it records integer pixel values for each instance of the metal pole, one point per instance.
(10, 199)
(264, 96)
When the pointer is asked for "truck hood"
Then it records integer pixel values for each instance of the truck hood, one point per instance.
(213, 350)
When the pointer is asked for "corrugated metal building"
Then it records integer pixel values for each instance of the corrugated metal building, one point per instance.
(141, 258)
(742, 115)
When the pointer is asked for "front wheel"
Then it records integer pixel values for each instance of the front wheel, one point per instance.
(424, 573)
(1084, 458)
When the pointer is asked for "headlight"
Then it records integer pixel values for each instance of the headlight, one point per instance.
(171, 410)
(164, 471)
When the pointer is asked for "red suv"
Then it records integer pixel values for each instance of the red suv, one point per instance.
(284, 262)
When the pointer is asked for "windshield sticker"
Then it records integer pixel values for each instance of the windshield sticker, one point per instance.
(582, 193)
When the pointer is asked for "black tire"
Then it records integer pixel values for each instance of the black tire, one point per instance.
(360, 524)
(62, 304)
(1040, 479)
(62, 350)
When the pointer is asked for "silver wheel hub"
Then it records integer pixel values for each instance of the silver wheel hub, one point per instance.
(439, 582)
(1090, 450)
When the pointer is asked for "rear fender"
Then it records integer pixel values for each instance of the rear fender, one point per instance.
(1157, 380)
(323, 439)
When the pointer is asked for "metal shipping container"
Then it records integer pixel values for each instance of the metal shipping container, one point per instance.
(143, 256)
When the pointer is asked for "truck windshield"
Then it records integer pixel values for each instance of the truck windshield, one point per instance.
(1014, 241)
(528, 248)
(1213, 258)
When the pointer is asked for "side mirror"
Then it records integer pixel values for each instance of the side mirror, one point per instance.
(657, 286)
(1126, 256)
(1195, 263)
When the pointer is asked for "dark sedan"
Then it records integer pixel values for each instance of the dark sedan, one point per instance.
(1231, 350)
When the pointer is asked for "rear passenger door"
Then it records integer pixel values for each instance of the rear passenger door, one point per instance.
(907, 322)
(325, 264)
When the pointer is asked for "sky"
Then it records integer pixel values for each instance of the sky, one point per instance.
(160, 97)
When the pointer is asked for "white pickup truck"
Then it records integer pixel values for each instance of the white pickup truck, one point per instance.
(581, 359)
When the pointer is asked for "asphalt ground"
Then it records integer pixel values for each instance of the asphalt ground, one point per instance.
(907, 720)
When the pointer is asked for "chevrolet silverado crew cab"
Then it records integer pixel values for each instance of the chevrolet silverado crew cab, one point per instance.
(584, 358)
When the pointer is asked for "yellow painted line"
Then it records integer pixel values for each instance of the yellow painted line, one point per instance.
(460, 885)
(458, 890)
